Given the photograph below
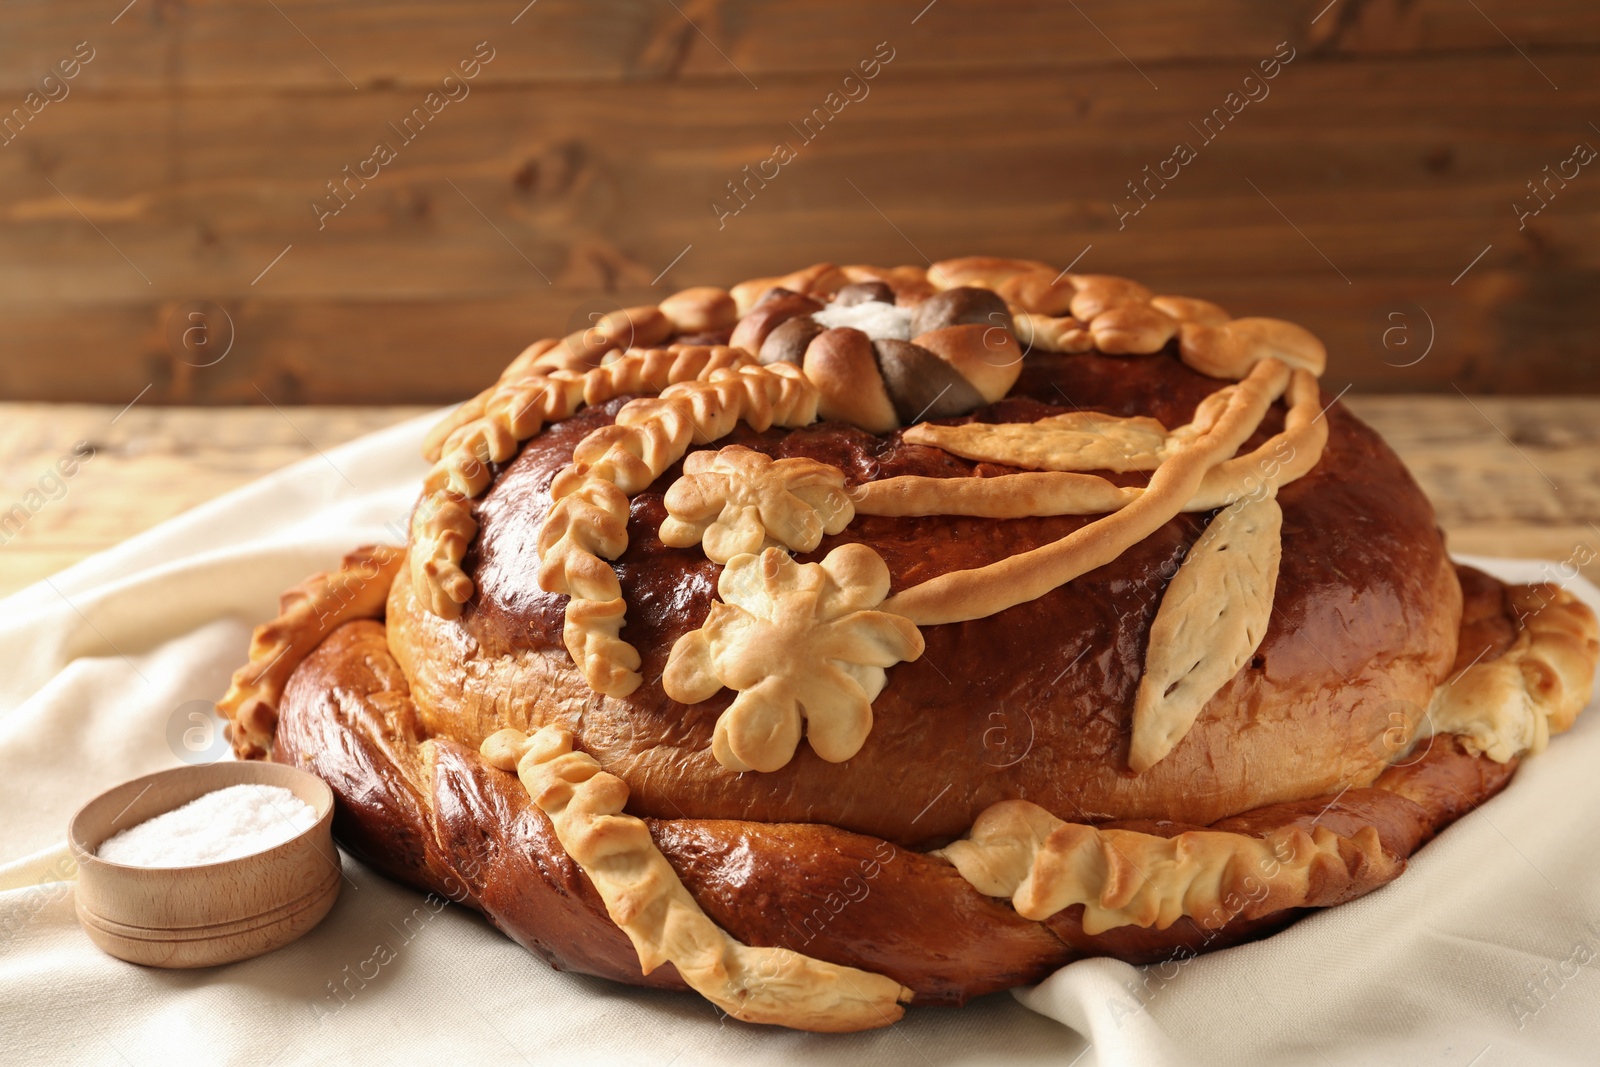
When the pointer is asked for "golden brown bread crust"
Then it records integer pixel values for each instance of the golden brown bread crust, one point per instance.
(1364, 627)
(431, 813)
(307, 613)
(436, 816)
(984, 819)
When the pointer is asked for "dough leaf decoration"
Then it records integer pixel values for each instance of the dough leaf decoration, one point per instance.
(1211, 621)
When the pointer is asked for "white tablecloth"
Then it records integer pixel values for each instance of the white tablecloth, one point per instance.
(1487, 951)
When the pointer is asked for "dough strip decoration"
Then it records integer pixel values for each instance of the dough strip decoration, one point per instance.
(645, 898)
(1020, 851)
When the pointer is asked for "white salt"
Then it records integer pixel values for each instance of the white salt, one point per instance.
(874, 318)
(224, 824)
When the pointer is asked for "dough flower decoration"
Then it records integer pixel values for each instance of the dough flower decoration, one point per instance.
(737, 500)
(801, 642)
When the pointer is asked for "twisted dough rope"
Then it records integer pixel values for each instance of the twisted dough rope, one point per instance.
(1019, 850)
(1070, 313)
(588, 521)
(531, 393)
(307, 613)
(702, 309)
(1513, 703)
(958, 596)
(1281, 459)
(646, 899)
(638, 327)
(1076, 313)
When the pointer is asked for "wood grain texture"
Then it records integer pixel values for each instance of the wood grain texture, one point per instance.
(302, 44)
(150, 464)
(590, 150)
(1507, 477)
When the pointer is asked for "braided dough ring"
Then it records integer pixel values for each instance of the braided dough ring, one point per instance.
(433, 813)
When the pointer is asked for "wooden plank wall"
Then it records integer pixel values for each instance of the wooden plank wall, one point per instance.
(1369, 196)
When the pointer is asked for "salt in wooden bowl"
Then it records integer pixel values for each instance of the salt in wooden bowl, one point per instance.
(212, 913)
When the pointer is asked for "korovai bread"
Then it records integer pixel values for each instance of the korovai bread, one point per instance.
(864, 637)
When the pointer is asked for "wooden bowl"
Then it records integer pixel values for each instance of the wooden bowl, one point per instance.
(211, 913)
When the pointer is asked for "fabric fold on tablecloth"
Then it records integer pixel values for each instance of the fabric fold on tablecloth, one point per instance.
(1488, 947)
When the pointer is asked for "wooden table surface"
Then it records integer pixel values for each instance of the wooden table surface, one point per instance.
(1511, 477)
(1389, 166)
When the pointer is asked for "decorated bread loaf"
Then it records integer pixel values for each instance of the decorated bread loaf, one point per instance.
(871, 636)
